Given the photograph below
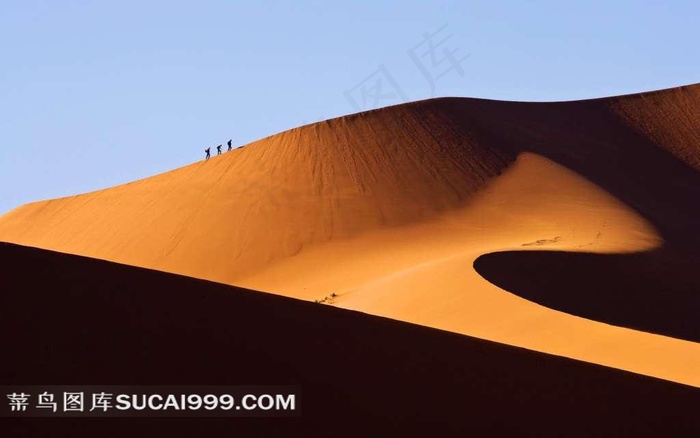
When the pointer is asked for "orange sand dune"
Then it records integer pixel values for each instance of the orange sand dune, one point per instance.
(389, 212)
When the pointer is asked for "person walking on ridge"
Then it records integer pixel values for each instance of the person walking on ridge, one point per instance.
(208, 151)
(229, 146)
(218, 150)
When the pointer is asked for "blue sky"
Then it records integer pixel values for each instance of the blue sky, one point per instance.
(98, 93)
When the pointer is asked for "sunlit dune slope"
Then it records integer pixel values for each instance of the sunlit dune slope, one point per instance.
(386, 212)
(234, 214)
(79, 321)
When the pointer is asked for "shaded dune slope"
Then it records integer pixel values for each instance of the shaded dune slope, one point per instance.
(643, 155)
(669, 118)
(74, 320)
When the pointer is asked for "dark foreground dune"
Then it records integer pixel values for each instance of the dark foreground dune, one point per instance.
(73, 320)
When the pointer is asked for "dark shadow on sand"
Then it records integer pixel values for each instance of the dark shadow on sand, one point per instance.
(656, 291)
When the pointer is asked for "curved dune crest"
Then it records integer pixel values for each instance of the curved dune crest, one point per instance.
(386, 212)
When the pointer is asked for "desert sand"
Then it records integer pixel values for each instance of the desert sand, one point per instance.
(85, 321)
(568, 228)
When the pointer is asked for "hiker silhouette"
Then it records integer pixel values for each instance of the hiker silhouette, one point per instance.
(229, 145)
(218, 150)
(208, 151)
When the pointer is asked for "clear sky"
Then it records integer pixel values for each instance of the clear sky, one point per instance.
(97, 93)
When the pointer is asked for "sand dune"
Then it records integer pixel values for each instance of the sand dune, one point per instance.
(70, 319)
(387, 212)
